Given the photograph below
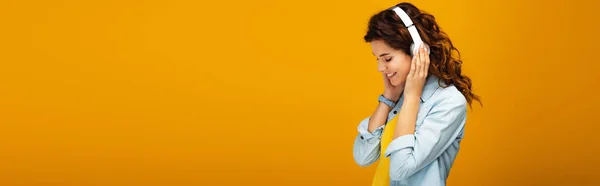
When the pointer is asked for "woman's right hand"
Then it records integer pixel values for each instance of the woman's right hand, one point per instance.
(390, 91)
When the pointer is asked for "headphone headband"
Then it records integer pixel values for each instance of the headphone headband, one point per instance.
(412, 29)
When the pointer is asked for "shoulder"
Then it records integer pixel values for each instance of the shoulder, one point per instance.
(449, 98)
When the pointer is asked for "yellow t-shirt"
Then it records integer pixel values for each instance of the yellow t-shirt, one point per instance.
(382, 174)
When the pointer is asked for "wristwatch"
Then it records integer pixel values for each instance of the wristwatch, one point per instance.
(386, 101)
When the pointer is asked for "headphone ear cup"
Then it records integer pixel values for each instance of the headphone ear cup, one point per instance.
(414, 48)
(427, 48)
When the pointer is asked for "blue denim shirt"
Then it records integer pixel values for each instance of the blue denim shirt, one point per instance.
(425, 157)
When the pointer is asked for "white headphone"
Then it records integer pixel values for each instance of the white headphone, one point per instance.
(412, 29)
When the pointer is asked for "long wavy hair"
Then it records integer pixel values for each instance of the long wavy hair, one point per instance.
(388, 26)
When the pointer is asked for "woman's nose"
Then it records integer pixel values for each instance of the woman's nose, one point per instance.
(380, 66)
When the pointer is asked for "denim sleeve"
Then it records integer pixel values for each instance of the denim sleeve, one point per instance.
(367, 145)
(412, 152)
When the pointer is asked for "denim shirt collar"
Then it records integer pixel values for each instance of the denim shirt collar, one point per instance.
(431, 85)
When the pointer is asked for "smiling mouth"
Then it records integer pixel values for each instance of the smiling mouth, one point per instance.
(391, 75)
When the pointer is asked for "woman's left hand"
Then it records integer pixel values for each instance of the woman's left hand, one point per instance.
(417, 75)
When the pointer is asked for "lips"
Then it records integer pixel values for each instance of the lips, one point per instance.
(391, 75)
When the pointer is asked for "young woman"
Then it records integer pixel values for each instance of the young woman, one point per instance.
(416, 129)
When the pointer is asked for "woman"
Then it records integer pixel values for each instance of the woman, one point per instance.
(417, 127)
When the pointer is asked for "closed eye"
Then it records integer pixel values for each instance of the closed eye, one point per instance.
(388, 60)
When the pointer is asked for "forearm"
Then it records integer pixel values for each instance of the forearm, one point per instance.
(407, 117)
(379, 117)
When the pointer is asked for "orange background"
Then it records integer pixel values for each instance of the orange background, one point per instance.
(270, 92)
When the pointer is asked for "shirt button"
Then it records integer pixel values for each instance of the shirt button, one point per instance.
(395, 112)
(361, 137)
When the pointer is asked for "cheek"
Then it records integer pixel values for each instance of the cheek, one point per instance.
(403, 68)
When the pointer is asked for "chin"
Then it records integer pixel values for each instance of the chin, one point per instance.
(396, 83)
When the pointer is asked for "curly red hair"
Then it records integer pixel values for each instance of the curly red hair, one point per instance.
(388, 26)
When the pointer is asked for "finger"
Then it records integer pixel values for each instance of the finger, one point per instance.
(422, 54)
(413, 64)
(426, 62)
(418, 63)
